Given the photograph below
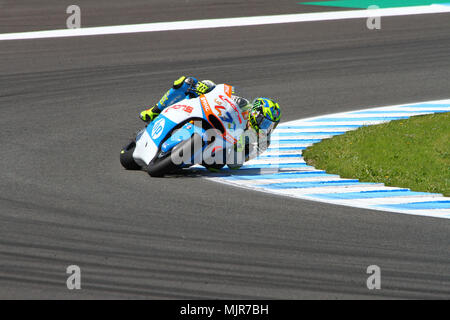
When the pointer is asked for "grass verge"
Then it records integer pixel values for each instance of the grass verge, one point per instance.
(412, 153)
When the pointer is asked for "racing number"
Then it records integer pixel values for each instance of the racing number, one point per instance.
(233, 106)
(225, 116)
(219, 111)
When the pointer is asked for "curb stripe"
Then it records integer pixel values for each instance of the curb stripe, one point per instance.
(275, 156)
(295, 140)
(400, 112)
(387, 118)
(286, 175)
(319, 126)
(287, 149)
(370, 194)
(275, 165)
(419, 205)
(426, 105)
(295, 185)
(297, 179)
(318, 133)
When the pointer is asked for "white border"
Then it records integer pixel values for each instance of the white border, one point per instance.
(227, 22)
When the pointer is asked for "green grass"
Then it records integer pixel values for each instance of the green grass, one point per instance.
(412, 153)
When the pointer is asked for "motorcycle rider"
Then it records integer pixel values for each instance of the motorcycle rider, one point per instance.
(263, 114)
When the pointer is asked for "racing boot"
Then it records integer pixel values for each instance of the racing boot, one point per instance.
(149, 114)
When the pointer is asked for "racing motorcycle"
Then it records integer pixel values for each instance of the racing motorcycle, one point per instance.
(201, 130)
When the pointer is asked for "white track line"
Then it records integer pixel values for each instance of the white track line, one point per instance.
(312, 184)
(227, 22)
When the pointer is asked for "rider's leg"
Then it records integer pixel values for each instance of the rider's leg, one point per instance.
(177, 93)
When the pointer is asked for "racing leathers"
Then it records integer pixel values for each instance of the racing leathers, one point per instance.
(251, 142)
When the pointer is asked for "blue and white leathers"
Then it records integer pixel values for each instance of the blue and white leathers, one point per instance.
(175, 95)
(175, 124)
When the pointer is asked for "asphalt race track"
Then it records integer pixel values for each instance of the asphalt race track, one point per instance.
(68, 105)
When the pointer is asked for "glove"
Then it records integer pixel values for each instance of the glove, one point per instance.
(149, 114)
(204, 86)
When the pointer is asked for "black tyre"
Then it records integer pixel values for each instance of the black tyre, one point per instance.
(163, 164)
(126, 157)
(217, 155)
(216, 166)
(213, 167)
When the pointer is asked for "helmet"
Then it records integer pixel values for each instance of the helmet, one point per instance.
(264, 115)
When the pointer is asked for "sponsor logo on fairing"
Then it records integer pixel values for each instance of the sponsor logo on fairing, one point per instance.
(158, 128)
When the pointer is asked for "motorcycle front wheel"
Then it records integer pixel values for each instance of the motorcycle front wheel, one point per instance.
(126, 157)
(163, 164)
